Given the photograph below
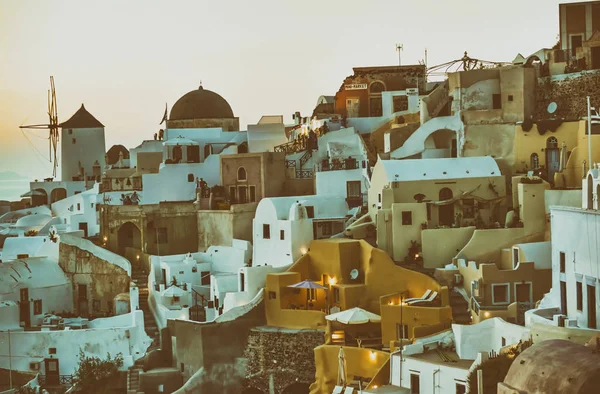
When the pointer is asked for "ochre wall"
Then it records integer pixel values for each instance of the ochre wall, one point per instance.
(359, 362)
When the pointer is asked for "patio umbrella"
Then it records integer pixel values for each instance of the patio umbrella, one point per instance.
(341, 368)
(307, 284)
(354, 316)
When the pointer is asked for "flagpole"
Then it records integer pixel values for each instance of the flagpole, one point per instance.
(589, 114)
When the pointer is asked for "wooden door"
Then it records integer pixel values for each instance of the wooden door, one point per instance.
(52, 372)
(591, 306)
(84, 227)
(352, 108)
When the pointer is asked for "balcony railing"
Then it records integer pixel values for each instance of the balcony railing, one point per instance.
(304, 174)
(55, 380)
(344, 164)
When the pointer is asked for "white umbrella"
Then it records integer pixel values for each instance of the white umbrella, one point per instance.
(354, 316)
(341, 368)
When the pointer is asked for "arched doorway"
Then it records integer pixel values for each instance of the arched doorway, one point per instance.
(39, 197)
(375, 103)
(129, 236)
(552, 158)
(297, 388)
(590, 192)
(58, 194)
(446, 212)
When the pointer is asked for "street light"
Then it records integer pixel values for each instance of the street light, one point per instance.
(399, 48)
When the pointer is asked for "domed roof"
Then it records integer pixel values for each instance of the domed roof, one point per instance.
(201, 104)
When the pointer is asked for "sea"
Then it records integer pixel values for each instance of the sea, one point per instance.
(12, 190)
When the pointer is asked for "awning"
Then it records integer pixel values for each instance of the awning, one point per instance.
(32, 193)
(354, 316)
(308, 284)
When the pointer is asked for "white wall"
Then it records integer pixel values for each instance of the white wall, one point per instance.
(576, 233)
(145, 146)
(486, 336)
(387, 102)
(124, 334)
(79, 208)
(9, 316)
(445, 375)
(264, 137)
(71, 187)
(89, 147)
(334, 183)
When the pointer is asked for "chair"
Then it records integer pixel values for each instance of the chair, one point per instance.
(338, 390)
(429, 299)
(423, 297)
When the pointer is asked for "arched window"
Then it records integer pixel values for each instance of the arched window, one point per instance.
(534, 161)
(241, 175)
(376, 87)
(552, 143)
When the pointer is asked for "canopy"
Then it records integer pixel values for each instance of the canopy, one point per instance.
(32, 193)
(354, 316)
(341, 381)
(308, 284)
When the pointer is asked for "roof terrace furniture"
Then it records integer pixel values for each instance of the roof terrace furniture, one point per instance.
(429, 299)
(423, 297)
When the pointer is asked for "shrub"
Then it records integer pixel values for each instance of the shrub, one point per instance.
(94, 375)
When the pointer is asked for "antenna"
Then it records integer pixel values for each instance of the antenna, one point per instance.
(52, 126)
(354, 274)
(399, 48)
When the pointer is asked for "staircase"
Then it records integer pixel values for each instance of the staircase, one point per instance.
(460, 308)
(141, 279)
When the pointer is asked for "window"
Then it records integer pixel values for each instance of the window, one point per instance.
(266, 231)
(22, 256)
(96, 305)
(461, 388)
(510, 97)
(353, 189)
(468, 208)
(37, 307)
(428, 211)
(496, 101)
(205, 278)
(241, 174)
(232, 193)
(415, 383)
(336, 295)
(562, 262)
(503, 341)
(500, 294)
(406, 218)
(190, 177)
(523, 292)
(326, 229)
(176, 298)
(534, 161)
(70, 131)
(515, 257)
(74, 140)
(282, 235)
(400, 103)
(251, 193)
(272, 295)
(52, 350)
(310, 211)
(79, 206)
(579, 287)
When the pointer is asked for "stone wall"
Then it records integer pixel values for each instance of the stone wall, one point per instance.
(104, 275)
(569, 93)
(287, 355)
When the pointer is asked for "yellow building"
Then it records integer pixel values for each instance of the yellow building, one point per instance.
(354, 274)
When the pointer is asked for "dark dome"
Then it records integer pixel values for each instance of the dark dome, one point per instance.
(201, 104)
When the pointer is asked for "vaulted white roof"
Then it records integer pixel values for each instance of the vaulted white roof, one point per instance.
(436, 169)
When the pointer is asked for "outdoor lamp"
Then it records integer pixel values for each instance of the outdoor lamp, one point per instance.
(332, 280)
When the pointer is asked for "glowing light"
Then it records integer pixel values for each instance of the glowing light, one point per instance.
(332, 280)
(375, 386)
(105, 239)
(372, 355)
(417, 256)
(137, 257)
(391, 303)
(486, 314)
(303, 251)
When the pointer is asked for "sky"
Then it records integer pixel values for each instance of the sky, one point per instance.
(126, 59)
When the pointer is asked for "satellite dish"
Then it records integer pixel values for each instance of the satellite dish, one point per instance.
(354, 274)
(552, 107)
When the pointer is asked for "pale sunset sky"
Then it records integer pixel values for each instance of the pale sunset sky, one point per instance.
(126, 59)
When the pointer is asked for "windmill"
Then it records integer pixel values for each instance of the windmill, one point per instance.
(52, 126)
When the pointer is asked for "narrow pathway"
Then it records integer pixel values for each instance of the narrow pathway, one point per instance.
(460, 308)
(141, 279)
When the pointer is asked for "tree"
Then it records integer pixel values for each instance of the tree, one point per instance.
(94, 375)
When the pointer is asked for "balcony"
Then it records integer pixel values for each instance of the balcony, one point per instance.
(342, 164)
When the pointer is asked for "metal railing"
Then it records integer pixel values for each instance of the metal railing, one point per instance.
(305, 157)
(299, 145)
(304, 174)
(290, 164)
(58, 380)
(344, 164)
